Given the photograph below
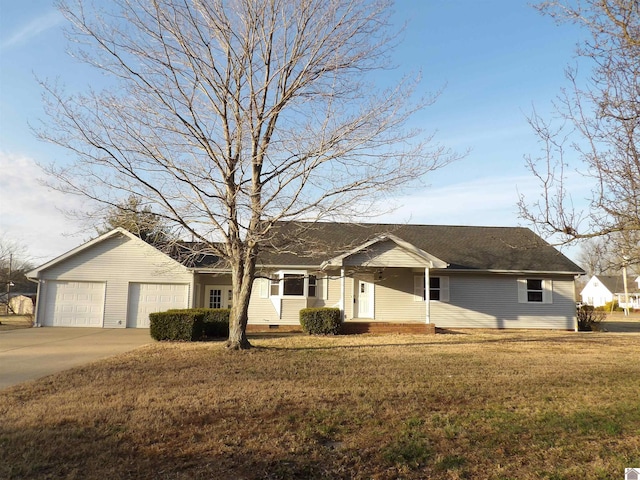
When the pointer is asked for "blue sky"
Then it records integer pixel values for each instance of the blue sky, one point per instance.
(496, 59)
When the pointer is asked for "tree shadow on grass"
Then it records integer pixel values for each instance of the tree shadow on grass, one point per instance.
(72, 450)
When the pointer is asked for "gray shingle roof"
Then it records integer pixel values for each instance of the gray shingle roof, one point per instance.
(615, 283)
(462, 247)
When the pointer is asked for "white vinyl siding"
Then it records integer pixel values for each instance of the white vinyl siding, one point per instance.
(267, 309)
(116, 262)
(492, 301)
(394, 299)
(384, 254)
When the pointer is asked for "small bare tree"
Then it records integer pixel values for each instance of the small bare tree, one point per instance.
(598, 134)
(228, 116)
(608, 255)
(14, 263)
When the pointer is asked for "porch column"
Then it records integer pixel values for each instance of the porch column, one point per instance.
(427, 299)
(342, 282)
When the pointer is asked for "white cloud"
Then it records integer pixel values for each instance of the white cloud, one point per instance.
(487, 201)
(32, 29)
(30, 212)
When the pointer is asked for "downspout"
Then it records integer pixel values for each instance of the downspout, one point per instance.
(36, 311)
(626, 290)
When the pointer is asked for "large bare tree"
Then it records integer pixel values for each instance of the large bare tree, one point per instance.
(594, 138)
(227, 116)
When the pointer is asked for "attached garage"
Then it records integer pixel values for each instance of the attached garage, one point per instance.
(112, 281)
(146, 298)
(74, 304)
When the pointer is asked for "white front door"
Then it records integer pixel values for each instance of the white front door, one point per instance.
(365, 299)
(218, 296)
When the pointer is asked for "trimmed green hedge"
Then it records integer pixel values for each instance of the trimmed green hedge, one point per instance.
(189, 325)
(320, 321)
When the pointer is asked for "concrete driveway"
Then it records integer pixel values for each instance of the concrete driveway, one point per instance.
(30, 353)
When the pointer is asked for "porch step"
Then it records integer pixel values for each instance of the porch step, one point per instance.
(351, 328)
(388, 327)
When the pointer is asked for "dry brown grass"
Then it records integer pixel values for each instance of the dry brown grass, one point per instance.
(12, 322)
(482, 405)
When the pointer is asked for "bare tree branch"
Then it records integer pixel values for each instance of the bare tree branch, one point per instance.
(229, 116)
(599, 132)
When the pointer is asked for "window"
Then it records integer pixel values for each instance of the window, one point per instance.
(274, 289)
(215, 298)
(313, 286)
(535, 290)
(293, 284)
(438, 288)
(434, 288)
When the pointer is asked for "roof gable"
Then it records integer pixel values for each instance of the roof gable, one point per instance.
(119, 231)
(615, 283)
(386, 251)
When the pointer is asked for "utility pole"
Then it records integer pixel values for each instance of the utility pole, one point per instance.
(9, 284)
(625, 259)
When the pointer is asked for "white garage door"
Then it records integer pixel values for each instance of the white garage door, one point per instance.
(74, 304)
(146, 298)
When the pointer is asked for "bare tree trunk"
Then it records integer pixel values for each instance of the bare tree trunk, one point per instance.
(243, 273)
(227, 117)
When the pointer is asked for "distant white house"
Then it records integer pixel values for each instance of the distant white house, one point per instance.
(602, 289)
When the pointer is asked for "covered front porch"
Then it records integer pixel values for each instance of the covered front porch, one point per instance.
(387, 282)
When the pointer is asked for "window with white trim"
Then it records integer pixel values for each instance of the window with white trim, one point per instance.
(294, 284)
(312, 290)
(434, 288)
(438, 288)
(535, 290)
(274, 287)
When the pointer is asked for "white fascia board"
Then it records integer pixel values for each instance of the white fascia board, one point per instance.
(265, 266)
(33, 274)
(512, 272)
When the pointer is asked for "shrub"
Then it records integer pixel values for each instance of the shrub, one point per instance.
(610, 307)
(320, 321)
(191, 324)
(175, 325)
(589, 318)
(215, 322)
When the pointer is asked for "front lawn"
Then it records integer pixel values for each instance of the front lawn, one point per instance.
(483, 405)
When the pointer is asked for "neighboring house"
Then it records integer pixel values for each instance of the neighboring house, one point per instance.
(602, 289)
(396, 275)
